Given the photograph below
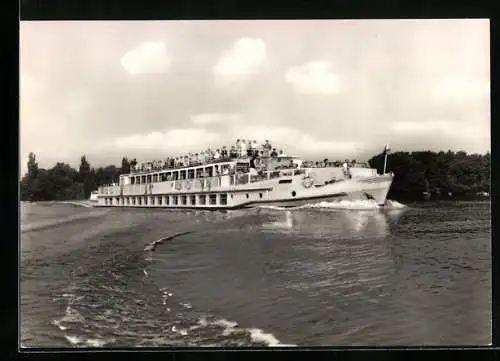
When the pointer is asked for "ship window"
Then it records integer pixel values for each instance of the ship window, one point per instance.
(281, 181)
(117, 201)
(132, 180)
(152, 201)
(184, 200)
(209, 171)
(223, 199)
(175, 176)
(148, 178)
(155, 178)
(139, 199)
(231, 195)
(213, 199)
(260, 195)
(191, 174)
(159, 200)
(183, 174)
(174, 200)
(143, 179)
(199, 172)
(128, 201)
(193, 200)
(294, 193)
(203, 199)
(167, 200)
(247, 196)
(105, 201)
(145, 201)
(133, 201)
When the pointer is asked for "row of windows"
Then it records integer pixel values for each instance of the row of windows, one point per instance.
(178, 175)
(183, 200)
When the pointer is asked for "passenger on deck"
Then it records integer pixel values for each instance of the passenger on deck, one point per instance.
(217, 155)
(249, 148)
(345, 169)
(223, 152)
(267, 148)
(274, 153)
(243, 148)
(255, 146)
(238, 146)
(233, 153)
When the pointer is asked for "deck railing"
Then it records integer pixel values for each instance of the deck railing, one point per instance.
(202, 183)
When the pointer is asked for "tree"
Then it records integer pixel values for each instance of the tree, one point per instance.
(125, 168)
(32, 166)
(84, 177)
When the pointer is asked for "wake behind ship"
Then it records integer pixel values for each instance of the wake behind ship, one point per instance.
(244, 179)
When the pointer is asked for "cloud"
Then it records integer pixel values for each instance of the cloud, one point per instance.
(246, 57)
(456, 88)
(446, 128)
(148, 57)
(313, 77)
(180, 140)
(214, 118)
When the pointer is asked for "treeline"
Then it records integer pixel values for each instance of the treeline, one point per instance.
(62, 182)
(441, 175)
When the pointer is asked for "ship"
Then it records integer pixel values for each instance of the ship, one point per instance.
(245, 181)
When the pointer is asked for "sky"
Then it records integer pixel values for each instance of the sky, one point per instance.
(314, 88)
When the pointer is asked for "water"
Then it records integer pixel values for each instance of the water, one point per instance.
(328, 274)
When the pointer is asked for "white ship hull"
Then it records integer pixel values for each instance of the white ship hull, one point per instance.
(288, 189)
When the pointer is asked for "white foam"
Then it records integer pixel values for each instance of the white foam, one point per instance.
(225, 323)
(72, 315)
(394, 205)
(342, 204)
(258, 335)
(58, 324)
(74, 340)
(95, 342)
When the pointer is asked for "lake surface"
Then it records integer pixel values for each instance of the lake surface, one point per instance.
(328, 274)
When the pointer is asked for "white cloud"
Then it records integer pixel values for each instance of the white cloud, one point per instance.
(458, 88)
(247, 56)
(175, 140)
(148, 57)
(446, 128)
(213, 118)
(313, 77)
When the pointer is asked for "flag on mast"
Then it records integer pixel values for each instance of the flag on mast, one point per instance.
(386, 151)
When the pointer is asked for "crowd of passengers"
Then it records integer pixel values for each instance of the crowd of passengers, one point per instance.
(241, 148)
(327, 163)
